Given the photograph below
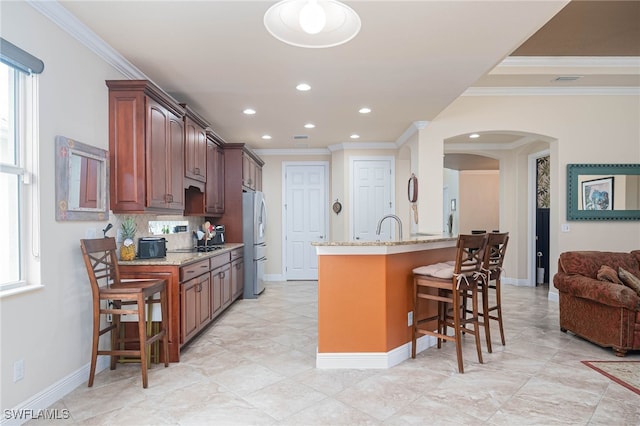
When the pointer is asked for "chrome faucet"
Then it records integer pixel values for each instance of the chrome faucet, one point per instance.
(391, 216)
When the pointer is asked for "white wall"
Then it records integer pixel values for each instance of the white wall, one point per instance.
(578, 129)
(50, 329)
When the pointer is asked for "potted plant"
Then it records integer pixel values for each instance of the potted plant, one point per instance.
(128, 247)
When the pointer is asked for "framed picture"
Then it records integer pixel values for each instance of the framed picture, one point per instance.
(597, 194)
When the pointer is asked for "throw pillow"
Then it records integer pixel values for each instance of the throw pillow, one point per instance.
(607, 273)
(629, 280)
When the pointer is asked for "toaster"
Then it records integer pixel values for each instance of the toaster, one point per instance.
(152, 247)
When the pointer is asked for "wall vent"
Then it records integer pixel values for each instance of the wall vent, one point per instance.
(298, 137)
(567, 78)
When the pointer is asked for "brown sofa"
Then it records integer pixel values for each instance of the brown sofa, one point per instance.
(605, 313)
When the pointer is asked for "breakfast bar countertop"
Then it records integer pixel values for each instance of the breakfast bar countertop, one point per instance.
(415, 242)
(180, 257)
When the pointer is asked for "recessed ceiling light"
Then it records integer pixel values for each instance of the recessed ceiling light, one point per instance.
(309, 126)
(364, 110)
(249, 111)
(474, 136)
(266, 137)
(303, 87)
(354, 136)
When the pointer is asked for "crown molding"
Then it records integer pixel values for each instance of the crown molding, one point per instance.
(451, 148)
(552, 91)
(291, 152)
(362, 145)
(411, 130)
(56, 13)
(570, 61)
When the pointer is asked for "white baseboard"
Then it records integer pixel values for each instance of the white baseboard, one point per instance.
(519, 282)
(21, 413)
(372, 360)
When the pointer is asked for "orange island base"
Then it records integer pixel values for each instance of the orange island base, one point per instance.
(365, 299)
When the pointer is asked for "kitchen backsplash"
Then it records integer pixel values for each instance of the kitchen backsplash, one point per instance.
(179, 240)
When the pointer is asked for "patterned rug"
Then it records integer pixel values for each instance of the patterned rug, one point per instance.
(626, 373)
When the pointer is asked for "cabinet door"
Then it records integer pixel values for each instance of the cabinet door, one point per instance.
(195, 151)
(216, 292)
(237, 278)
(175, 163)
(258, 177)
(214, 190)
(157, 144)
(188, 309)
(222, 274)
(204, 299)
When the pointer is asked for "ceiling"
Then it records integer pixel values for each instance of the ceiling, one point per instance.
(410, 60)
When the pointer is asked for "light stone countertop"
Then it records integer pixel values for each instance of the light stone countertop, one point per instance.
(179, 257)
(415, 242)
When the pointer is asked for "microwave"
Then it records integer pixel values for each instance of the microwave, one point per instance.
(152, 247)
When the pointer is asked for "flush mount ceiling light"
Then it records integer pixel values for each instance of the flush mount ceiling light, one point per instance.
(312, 23)
(266, 137)
(303, 87)
(474, 136)
(249, 111)
(309, 126)
(364, 110)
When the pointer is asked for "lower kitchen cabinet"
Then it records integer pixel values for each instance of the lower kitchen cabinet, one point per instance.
(199, 290)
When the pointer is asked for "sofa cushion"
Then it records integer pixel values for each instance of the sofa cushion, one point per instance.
(607, 273)
(588, 263)
(629, 280)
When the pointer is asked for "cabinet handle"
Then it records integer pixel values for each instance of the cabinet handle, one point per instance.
(197, 170)
(222, 275)
(204, 266)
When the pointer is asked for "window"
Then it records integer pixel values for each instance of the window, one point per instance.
(18, 161)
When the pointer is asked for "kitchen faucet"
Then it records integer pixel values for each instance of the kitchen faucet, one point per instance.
(391, 216)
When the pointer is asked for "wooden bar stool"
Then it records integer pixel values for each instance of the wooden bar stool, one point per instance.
(492, 268)
(448, 293)
(118, 298)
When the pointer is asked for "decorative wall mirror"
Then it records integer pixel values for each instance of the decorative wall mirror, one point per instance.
(603, 192)
(81, 181)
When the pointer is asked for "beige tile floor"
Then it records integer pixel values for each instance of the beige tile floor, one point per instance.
(255, 365)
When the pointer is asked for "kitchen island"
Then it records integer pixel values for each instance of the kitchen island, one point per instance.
(365, 299)
(201, 285)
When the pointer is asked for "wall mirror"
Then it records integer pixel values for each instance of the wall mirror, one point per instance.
(603, 192)
(81, 181)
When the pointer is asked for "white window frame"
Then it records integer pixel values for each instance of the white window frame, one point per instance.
(26, 139)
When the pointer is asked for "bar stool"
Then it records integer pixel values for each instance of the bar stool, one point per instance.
(119, 298)
(448, 293)
(492, 268)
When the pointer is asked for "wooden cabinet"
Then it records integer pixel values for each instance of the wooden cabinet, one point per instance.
(146, 149)
(195, 299)
(251, 172)
(214, 190)
(237, 273)
(236, 159)
(195, 148)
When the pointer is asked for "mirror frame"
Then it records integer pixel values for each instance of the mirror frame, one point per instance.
(64, 148)
(573, 189)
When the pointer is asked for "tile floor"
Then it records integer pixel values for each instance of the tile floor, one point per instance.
(255, 365)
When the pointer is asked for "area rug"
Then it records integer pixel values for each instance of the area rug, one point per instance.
(625, 373)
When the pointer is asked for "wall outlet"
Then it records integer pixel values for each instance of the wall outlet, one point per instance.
(18, 370)
(565, 227)
(410, 319)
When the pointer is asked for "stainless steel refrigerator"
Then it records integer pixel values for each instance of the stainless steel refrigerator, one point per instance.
(254, 222)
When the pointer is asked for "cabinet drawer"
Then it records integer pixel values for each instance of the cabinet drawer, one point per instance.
(236, 253)
(219, 260)
(194, 269)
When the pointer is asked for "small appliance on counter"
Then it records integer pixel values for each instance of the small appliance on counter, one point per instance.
(152, 247)
(217, 236)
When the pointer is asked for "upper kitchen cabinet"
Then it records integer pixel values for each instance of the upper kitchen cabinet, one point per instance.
(195, 149)
(210, 202)
(214, 192)
(146, 149)
(251, 170)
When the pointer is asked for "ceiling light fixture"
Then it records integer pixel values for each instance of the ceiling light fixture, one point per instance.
(266, 137)
(312, 23)
(309, 126)
(249, 111)
(474, 136)
(364, 110)
(303, 87)
(355, 136)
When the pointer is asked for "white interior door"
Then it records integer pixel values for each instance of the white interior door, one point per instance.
(372, 198)
(305, 213)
